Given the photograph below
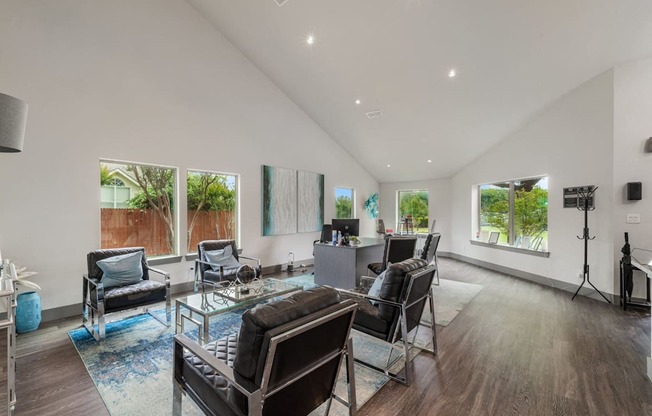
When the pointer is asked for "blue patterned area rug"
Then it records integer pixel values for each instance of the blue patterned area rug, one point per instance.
(451, 297)
(132, 367)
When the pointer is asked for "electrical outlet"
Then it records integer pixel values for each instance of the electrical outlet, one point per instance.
(633, 218)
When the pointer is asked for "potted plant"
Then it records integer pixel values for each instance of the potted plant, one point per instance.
(354, 240)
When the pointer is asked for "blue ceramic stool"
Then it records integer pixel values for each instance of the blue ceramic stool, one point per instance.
(28, 312)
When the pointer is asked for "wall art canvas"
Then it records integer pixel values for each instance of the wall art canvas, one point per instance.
(310, 188)
(279, 201)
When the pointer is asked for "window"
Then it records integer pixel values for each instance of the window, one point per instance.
(212, 207)
(413, 211)
(137, 205)
(516, 209)
(344, 203)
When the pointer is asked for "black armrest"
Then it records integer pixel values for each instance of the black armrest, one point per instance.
(90, 284)
(251, 258)
(370, 298)
(161, 272)
(213, 362)
(92, 281)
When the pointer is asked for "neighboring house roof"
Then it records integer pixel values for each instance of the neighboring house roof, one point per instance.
(124, 175)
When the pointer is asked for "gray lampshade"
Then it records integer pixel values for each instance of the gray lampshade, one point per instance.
(13, 117)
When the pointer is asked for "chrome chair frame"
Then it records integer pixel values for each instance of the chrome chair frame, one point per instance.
(99, 313)
(401, 329)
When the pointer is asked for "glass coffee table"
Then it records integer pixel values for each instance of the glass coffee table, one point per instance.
(199, 308)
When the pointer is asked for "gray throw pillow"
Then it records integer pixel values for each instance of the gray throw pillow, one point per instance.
(122, 270)
(223, 258)
(377, 286)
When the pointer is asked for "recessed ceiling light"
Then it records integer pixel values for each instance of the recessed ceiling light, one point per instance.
(310, 39)
(452, 73)
(429, 161)
(388, 165)
(358, 101)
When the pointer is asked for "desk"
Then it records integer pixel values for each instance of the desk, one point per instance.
(342, 266)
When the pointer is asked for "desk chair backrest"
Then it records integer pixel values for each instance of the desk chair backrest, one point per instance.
(326, 233)
(380, 227)
(398, 249)
(94, 272)
(430, 247)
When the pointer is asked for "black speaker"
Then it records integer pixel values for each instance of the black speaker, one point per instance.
(634, 191)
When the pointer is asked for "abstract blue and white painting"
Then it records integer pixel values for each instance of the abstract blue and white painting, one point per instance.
(279, 201)
(311, 201)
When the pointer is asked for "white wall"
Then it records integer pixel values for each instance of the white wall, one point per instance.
(632, 128)
(438, 205)
(571, 142)
(148, 81)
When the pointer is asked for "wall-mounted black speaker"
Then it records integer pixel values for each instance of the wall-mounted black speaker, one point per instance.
(634, 191)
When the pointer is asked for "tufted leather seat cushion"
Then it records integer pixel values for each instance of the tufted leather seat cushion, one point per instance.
(224, 349)
(145, 291)
(209, 384)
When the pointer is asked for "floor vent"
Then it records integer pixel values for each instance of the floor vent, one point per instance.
(374, 114)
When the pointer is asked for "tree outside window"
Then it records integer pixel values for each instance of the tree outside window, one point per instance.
(147, 218)
(414, 205)
(212, 199)
(518, 210)
(344, 203)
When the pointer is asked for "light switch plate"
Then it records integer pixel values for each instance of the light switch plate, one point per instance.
(633, 218)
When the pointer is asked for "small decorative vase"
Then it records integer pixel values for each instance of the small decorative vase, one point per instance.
(28, 312)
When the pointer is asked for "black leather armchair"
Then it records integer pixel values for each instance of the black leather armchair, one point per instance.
(398, 309)
(204, 273)
(284, 361)
(98, 301)
(396, 249)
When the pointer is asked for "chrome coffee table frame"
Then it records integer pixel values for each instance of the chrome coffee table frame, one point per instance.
(200, 307)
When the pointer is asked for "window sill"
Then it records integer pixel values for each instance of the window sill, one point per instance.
(191, 256)
(157, 261)
(512, 249)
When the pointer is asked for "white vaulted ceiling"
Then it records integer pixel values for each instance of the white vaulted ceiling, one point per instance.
(512, 58)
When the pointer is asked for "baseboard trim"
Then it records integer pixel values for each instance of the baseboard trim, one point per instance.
(68, 311)
(649, 368)
(546, 281)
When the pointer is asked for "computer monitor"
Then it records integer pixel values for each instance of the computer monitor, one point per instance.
(349, 226)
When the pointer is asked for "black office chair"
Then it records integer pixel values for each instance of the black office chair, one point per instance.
(429, 252)
(396, 249)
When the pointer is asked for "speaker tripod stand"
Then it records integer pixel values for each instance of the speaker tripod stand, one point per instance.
(583, 197)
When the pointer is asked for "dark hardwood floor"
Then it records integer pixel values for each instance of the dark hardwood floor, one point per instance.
(517, 349)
